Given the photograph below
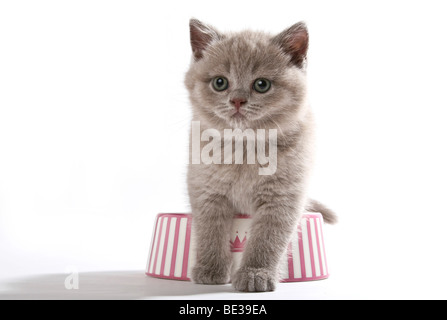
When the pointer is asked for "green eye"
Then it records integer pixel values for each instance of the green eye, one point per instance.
(220, 83)
(262, 85)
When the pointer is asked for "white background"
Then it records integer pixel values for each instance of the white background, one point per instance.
(94, 121)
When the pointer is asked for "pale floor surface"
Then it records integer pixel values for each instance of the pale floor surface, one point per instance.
(136, 285)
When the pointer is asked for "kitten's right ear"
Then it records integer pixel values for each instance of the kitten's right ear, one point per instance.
(201, 37)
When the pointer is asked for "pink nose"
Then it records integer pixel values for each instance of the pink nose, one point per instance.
(238, 102)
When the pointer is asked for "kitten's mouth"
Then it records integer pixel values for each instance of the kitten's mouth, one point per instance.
(237, 115)
(238, 120)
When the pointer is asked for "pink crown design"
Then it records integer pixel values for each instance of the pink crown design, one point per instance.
(237, 245)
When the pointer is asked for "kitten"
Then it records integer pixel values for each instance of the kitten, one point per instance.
(258, 81)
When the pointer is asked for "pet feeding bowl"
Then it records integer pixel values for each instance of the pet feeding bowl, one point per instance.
(171, 254)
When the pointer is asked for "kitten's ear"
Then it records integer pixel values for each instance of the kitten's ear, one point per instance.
(294, 41)
(201, 36)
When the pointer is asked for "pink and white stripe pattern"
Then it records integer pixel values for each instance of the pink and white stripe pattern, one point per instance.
(306, 255)
(170, 253)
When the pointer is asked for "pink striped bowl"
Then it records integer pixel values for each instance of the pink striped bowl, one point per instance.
(171, 254)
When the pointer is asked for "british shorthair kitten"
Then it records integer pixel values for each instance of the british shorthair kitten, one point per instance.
(249, 81)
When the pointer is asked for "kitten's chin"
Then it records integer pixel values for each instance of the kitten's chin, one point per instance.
(238, 117)
(238, 121)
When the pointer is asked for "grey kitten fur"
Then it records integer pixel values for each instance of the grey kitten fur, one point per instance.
(217, 192)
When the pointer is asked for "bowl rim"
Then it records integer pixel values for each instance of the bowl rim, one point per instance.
(316, 215)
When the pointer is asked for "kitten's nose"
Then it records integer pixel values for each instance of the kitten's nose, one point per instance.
(238, 102)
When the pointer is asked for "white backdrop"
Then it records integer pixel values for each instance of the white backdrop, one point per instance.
(94, 121)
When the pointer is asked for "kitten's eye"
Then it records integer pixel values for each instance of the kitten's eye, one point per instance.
(262, 85)
(220, 83)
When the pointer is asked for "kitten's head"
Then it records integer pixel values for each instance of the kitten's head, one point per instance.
(247, 79)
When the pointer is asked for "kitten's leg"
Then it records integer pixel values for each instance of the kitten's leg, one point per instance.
(270, 234)
(212, 221)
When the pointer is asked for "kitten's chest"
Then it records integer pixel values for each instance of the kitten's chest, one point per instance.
(241, 192)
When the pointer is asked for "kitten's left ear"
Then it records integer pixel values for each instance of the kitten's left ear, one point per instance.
(201, 37)
(294, 41)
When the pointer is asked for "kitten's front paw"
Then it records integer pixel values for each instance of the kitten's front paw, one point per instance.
(254, 279)
(207, 275)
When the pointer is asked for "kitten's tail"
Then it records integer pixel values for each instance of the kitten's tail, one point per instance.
(329, 216)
